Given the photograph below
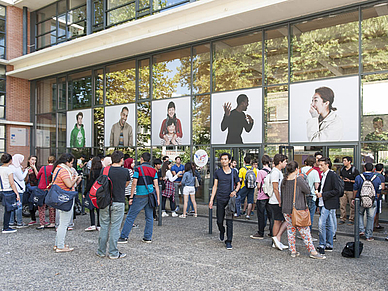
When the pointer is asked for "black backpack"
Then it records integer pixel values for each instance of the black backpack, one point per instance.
(341, 185)
(349, 249)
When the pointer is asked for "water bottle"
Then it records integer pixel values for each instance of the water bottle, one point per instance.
(19, 205)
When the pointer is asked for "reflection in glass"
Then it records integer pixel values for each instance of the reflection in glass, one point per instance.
(80, 90)
(121, 83)
(120, 14)
(171, 74)
(2, 131)
(201, 69)
(99, 87)
(237, 62)
(144, 79)
(374, 153)
(276, 55)
(61, 130)
(62, 93)
(46, 130)
(144, 124)
(43, 155)
(46, 95)
(201, 120)
(99, 128)
(276, 114)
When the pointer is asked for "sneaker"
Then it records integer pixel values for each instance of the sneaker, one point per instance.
(40, 227)
(70, 228)
(164, 214)
(101, 256)
(321, 250)
(64, 250)
(328, 249)
(277, 243)
(98, 228)
(147, 241)
(122, 240)
(317, 256)
(294, 255)
(174, 214)
(283, 246)
(120, 256)
(341, 222)
(32, 222)
(235, 215)
(12, 224)
(91, 228)
(334, 238)
(247, 217)
(386, 238)
(256, 236)
(23, 225)
(222, 237)
(135, 226)
(9, 230)
(228, 246)
(182, 216)
(370, 239)
(273, 245)
(315, 239)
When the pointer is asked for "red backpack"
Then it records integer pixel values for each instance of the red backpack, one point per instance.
(101, 192)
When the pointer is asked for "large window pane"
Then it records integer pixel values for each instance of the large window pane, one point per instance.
(171, 74)
(46, 95)
(47, 26)
(62, 93)
(276, 55)
(165, 4)
(80, 90)
(201, 120)
(144, 79)
(99, 87)
(43, 155)
(47, 13)
(375, 38)
(99, 128)
(121, 83)
(61, 130)
(325, 47)
(46, 130)
(201, 69)
(276, 114)
(374, 153)
(143, 124)
(237, 62)
(121, 14)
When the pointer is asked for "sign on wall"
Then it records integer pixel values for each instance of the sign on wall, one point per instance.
(18, 136)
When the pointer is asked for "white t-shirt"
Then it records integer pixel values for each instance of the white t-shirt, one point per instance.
(276, 176)
(324, 175)
(312, 178)
(4, 173)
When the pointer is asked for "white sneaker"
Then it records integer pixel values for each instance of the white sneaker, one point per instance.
(314, 239)
(91, 228)
(164, 214)
(174, 214)
(283, 246)
(277, 243)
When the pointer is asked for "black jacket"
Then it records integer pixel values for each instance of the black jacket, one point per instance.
(330, 191)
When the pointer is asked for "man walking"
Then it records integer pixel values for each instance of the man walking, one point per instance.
(145, 179)
(226, 185)
(348, 174)
(112, 216)
(379, 173)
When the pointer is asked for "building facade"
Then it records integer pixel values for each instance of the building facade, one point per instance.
(90, 76)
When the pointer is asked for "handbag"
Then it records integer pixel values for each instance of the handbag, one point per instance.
(299, 218)
(59, 198)
(152, 199)
(39, 195)
(196, 183)
(8, 199)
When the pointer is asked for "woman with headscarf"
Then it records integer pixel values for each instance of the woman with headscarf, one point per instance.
(324, 124)
(130, 165)
(171, 119)
(107, 161)
(18, 175)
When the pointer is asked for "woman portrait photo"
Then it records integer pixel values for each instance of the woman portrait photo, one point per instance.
(171, 129)
(324, 124)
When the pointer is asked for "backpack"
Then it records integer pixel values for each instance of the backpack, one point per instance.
(341, 185)
(262, 182)
(367, 192)
(101, 192)
(304, 175)
(267, 185)
(250, 178)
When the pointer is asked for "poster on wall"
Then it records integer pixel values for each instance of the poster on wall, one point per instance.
(120, 125)
(236, 117)
(79, 128)
(171, 119)
(324, 111)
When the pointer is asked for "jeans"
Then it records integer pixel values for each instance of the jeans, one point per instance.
(220, 220)
(172, 203)
(64, 220)
(370, 215)
(139, 202)
(58, 218)
(326, 227)
(110, 228)
(334, 221)
(312, 207)
(261, 215)
(93, 217)
(19, 216)
(7, 216)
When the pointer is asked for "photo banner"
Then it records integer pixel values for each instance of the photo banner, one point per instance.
(79, 128)
(236, 117)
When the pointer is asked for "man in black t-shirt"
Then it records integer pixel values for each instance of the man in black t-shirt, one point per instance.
(226, 185)
(113, 215)
(348, 174)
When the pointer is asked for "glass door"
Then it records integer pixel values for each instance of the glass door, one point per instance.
(336, 154)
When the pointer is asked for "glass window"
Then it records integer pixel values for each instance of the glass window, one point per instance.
(2, 85)
(144, 124)
(237, 62)
(2, 11)
(43, 155)
(62, 93)
(325, 47)
(98, 20)
(99, 87)
(375, 38)
(121, 83)
(144, 79)
(46, 130)
(99, 128)
(80, 90)
(201, 69)
(2, 112)
(276, 55)
(276, 114)
(374, 153)
(47, 12)
(120, 14)
(2, 131)
(2, 99)
(47, 26)
(61, 130)
(201, 120)
(171, 74)
(46, 95)
(159, 5)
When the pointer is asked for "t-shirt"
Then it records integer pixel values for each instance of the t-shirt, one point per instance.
(62, 175)
(243, 172)
(119, 177)
(4, 173)
(276, 176)
(176, 169)
(42, 178)
(260, 181)
(150, 175)
(351, 174)
(225, 183)
(312, 178)
(319, 172)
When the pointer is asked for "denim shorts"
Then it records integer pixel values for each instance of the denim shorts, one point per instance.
(245, 192)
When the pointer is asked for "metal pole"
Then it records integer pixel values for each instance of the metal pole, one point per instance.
(356, 228)
(160, 206)
(210, 215)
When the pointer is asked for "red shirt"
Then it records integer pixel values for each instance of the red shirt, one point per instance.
(319, 172)
(42, 182)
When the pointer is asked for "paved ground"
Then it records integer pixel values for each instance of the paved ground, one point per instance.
(182, 256)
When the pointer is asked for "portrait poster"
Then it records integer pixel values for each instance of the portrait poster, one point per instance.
(237, 123)
(79, 128)
(171, 119)
(325, 111)
(120, 129)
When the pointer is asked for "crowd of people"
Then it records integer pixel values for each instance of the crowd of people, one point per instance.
(314, 187)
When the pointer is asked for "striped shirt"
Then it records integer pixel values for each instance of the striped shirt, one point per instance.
(63, 174)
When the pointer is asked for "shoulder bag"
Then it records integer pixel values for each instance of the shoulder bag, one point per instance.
(152, 199)
(299, 218)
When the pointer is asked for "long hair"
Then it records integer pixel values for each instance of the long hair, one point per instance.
(189, 167)
(29, 158)
(165, 168)
(64, 158)
(290, 168)
(96, 164)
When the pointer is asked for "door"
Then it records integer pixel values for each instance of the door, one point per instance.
(336, 154)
